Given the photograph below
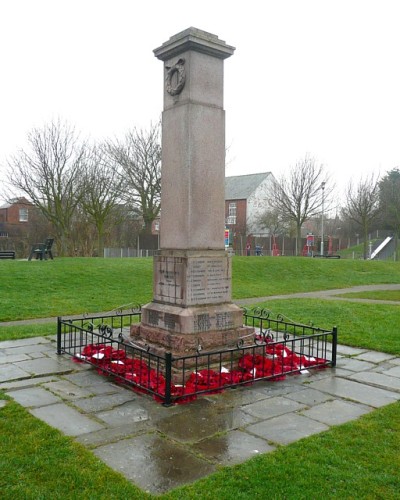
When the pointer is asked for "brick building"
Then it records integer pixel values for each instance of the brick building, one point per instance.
(246, 199)
(18, 225)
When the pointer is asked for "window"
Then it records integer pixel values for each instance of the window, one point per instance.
(232, 213)
(23, 215)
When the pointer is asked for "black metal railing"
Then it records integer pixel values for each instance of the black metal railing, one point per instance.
(279, 348)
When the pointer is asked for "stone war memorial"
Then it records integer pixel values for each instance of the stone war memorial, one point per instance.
(191, 338)
(191, 307)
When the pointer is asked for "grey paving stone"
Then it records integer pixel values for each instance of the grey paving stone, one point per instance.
(12, 372)
(38, 354)
(272, 407)
(66, 419)
(232, 448)
(44, 366)
(3, 403)
(348, 389)
(153, 463)
(131, 411)
(24, 342)
(378, 379)
(113, 434)
(28, 349)
(394, 372)
(28, 382)
(67, 390)
(287, 428)
(345, 350)
(375, 357)
(33, 397)
(336, 412)
(13, 358)
(104, 402)
(355, 365)
(195, 424)
(86, 378)
(309, 397)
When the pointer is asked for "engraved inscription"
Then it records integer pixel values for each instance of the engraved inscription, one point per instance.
(207, 281)
(202, 323)
(154, 318)
(169, 321)
(224, 321)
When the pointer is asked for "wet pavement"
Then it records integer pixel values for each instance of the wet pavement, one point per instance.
(160, 448)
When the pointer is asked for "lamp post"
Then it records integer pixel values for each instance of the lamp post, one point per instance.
(322, 218)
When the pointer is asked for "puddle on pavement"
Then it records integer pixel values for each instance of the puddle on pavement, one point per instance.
(154, 463)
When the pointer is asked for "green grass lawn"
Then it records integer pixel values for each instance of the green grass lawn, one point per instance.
(357, 460)
(39, 289)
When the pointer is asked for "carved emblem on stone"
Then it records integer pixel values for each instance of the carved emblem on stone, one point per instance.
(176, 77)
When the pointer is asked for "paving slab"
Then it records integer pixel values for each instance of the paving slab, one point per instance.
(12, 358)
(105, 402)
(286, 428)
(154, 463)
(234, 447)
(67, 390)
(87, 378)
(44, 366)
(27, 382)
(66, 419)
(3, 403)
(193, 425)
(348, 389)
(346, 350)
(114, 434)
(24, 342)
(378, 379)
(29, 349)
(355, 365)
(394, 372)
(336, 412)
(309, 397)
(272, 407)
(132, 411)
(12, 372)
(375, 357)
(33, 397)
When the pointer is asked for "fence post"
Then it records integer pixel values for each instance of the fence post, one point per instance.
(168, 379)
(334, 344)
(59, 335)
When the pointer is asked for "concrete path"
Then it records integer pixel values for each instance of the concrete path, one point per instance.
(160, 448)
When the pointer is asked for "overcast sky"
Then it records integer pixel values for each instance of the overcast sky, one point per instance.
(308, 76)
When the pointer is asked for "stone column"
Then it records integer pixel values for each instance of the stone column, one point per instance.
(192, 274)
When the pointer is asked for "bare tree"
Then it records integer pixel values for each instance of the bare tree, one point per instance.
(362, 205)
(389, 199)
(139, 158)
(48, 172)
(101, 192)
(300, 195)
(273, 222)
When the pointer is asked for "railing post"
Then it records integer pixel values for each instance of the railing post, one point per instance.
(59, 335)
(334, 344)
(168, 379)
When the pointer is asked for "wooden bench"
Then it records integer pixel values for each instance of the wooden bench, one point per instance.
(7, 254)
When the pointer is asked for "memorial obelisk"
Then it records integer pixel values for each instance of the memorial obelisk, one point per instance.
(191, 304)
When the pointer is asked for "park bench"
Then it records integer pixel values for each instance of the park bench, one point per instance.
(42, 250)
(7, 254)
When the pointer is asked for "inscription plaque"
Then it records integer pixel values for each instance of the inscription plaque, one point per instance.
(207, 281)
